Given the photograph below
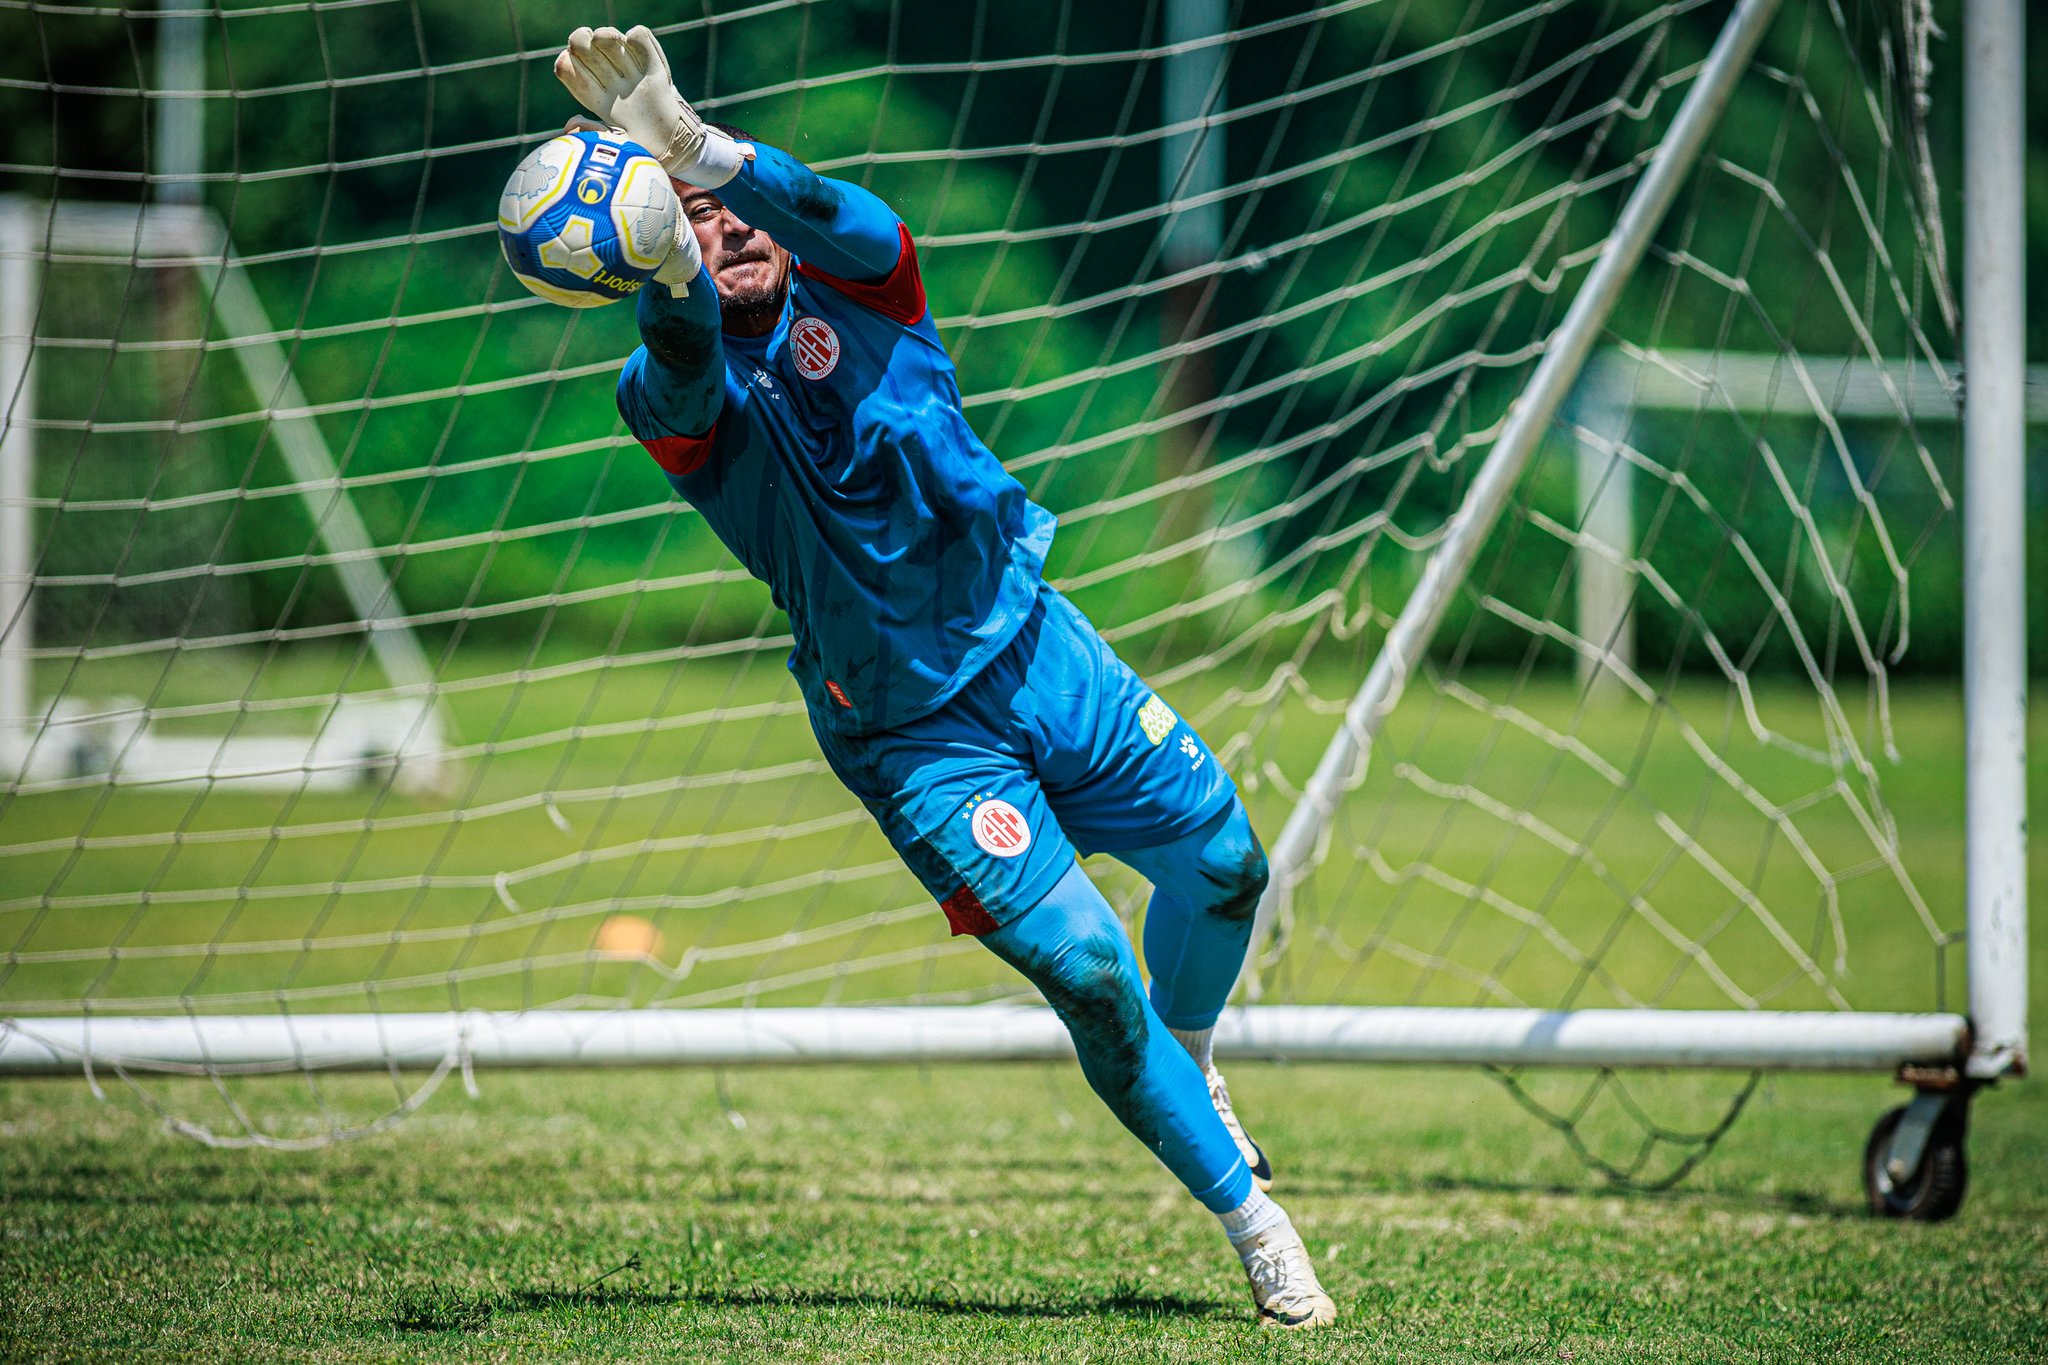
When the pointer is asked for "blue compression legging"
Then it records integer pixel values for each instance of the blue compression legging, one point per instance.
(1205, 892)
(1071, 946)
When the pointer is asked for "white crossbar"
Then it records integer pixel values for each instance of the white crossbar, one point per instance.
(1711, 1039)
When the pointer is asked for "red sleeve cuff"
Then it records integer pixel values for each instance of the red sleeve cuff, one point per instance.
(681, 455)
(899, 298)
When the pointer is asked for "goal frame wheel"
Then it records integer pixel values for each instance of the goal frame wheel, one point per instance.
(1915, 1164)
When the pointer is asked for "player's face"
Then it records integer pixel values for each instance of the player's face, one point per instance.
(750, 270)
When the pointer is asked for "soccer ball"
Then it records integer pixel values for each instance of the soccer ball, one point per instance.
(586, 219)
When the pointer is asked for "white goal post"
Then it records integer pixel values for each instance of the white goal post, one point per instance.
(393, 866)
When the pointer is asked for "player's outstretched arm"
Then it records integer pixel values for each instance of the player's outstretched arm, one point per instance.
(840, 228)
(836, 226)
(674, 385)
(682, 382)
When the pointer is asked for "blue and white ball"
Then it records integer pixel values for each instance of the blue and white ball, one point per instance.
(587, 218)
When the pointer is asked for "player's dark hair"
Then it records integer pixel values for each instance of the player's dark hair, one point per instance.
(732, 130)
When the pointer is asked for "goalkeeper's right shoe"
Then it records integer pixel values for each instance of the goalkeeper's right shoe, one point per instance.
(1284, 1284)
(1254, 1157)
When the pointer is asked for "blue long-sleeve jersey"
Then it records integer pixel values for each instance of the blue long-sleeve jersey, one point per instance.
(833, 458)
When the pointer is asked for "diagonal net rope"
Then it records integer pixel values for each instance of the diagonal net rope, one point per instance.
(1243, 307)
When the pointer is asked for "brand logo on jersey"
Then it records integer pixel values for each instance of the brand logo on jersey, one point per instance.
(1196, 758)
(838, 693)
(1000, 829)
(1157, 718)
(815, 346)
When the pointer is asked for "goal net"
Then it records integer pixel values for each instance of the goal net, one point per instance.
(353, 661)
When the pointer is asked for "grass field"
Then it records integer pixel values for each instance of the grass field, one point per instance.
(930, 1214)
(897, 1214)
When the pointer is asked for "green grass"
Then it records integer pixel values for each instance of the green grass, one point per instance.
(991, 1213)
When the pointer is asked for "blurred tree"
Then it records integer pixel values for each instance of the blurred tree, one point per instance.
(1372, 238)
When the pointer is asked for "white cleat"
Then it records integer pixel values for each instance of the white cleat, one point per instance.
(1219, 1095)
(1284, 1284)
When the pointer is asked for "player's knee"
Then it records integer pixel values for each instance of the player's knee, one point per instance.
(1233, 871)
(1092, 987)
(1072, 948)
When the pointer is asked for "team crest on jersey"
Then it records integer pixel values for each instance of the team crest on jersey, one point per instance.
(815, 346)
(1157, 718)
(999, 827)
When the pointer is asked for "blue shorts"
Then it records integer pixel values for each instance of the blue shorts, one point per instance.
(1054, 749)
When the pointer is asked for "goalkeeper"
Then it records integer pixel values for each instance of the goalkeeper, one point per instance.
(792, 386)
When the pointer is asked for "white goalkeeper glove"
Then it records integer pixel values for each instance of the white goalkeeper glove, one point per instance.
(623, 78)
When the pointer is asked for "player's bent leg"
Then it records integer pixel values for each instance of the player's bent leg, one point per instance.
(1206, 889)
(1205, 895)
(1073, 949)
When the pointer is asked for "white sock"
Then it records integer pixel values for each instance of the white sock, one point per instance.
(1257, 1214)
(1198, 1043)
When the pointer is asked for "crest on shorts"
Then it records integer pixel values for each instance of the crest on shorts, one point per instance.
(815, 347)
(1157, 718)
(999, 828)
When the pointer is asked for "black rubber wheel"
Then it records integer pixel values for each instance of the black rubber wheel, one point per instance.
(1933, 1192)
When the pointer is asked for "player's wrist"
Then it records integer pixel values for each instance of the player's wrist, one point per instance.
(715, 161)
(682, 265)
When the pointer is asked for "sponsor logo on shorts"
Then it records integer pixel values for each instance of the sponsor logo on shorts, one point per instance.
(999, 828)
(815, 346)
(1157, 718)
